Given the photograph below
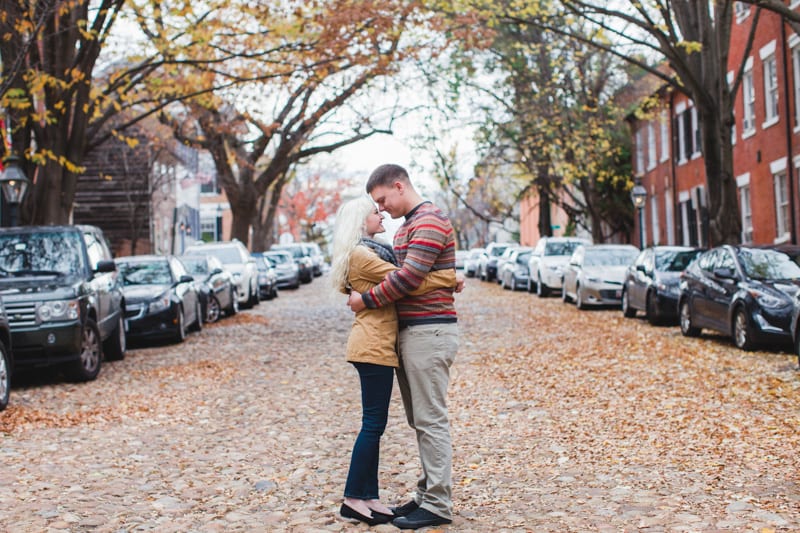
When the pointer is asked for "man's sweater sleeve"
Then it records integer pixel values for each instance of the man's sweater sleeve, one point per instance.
(425, 244)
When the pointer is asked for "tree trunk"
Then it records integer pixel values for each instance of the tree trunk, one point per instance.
(543, 190)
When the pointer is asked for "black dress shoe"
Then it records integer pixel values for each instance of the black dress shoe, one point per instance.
(420, 518)
(406, 508)
(377, 518)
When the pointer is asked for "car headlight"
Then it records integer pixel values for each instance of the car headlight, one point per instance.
(554, 268)
(768, 300)
(58, 310)
(668, 289)
(237, 276)
(159, 304)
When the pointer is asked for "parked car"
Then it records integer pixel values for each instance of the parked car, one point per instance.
(487, 268)
(161, 300)
(502, 260)
(461, 256)
(472, 262)
(63, 298)
(301, 257)
(547, 262)
(267, 278)
(286, 269)
(514, 272)
(236, 258)
(595, 273)
(215, 285)
(6, 360)
(317, 259)
(742, 291)
(651, 282)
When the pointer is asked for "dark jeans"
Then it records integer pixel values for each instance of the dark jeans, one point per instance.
(376, 390)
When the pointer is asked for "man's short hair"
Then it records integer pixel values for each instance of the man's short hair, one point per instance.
(385, 175)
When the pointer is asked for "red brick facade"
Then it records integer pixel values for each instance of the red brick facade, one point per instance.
(766, 151)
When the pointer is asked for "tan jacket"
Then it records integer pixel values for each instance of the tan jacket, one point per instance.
(373, 337)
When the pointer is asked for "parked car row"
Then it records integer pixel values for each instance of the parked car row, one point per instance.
(750, 293)
(65, 301)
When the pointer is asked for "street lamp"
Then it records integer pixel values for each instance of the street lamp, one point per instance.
(638, 197)
(14, 183)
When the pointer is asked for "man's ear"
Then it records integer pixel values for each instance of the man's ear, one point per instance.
(400, 186)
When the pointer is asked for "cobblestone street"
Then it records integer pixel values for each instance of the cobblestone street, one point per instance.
(563, 420)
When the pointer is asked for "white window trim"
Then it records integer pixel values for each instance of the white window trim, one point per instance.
(741, 14)
(680, 107)
(743, 180)
(778, 166)
(748, 71)
(652, 147)
(767, 50)
(695, 131)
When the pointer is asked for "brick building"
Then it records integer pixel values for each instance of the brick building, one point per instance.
(766, 152)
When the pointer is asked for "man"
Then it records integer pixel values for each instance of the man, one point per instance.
(428, 337)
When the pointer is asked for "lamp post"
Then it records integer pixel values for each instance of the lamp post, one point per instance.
(638, 197)
(14, 183)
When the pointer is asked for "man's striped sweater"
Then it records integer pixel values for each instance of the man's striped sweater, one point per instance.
(424, 242)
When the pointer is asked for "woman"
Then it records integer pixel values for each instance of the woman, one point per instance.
(360, 263)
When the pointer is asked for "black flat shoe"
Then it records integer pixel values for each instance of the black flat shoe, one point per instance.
(348, 512)
(405, 509)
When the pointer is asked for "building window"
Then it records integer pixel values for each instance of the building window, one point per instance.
(664, 136)
(782, 205)
(749, 99)
(208, 229)
(651, 146)
(680, 124)
(747, 213)
(741, 9)
(696, 150)
(770, 91)
(796, 69)
(639, 151)
(654, 220)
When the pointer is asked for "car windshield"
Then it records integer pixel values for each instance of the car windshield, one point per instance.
(296, 251)
(498, 250)
(45, 252)
(609, 257)
(675, 260)
(561, 248)
(279, 259)
(768, 264)
(147, 273)
(228, 256)
(195, 265)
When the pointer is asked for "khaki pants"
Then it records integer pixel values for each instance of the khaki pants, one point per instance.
(426, 354)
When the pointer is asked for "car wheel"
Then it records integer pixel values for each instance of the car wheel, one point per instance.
(233, 308)
(5, 377)
(742, 331)
(87, 366)
(627, 310)
(212, 310)
(506, 286)
(579, 298)
(651, 310)
(275, 291)
(687, 328)
(114, 346)
(541, 289)
(197, 325)
(180, 333)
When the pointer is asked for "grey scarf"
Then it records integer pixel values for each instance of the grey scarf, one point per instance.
(384, 251)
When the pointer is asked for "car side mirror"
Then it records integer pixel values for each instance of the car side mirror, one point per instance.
(185, 279)
(724, 273)
(216, 271)
(641, 268)
(106, 266)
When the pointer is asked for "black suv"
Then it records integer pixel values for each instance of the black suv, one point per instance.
(62, 297)
(6, 360)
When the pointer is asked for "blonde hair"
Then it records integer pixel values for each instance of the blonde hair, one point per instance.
(347, 233)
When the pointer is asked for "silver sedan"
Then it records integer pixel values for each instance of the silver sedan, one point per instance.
(595, 274)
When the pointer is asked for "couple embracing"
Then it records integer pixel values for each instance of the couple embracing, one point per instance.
(405, 321)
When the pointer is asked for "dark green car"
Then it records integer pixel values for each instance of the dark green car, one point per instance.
(63, 298)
